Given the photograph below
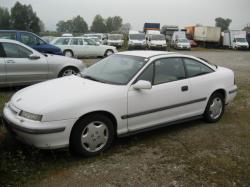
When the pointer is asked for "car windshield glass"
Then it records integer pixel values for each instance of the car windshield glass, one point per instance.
(183, 40)
(157, 37)
(137, 36)
(115, 69)
(114, 37)
(8, 35)
(241, 40)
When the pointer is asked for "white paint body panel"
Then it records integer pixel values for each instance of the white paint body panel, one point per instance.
(63, 101)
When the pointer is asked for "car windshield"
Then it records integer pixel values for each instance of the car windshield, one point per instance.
(241, 40)
(114, 37)
(115, 69)
(137, 36)
(95, 39)
(183, 40)
(157, 37)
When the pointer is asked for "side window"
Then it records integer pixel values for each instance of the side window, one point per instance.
(62, 41)
(76, 41)
(8, 35)
(147, 74)
(195, 68)
(15, 51)
(168, 70)
(29, 39)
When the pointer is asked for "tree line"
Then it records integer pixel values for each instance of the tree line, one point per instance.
(21, 17)
(99, 24)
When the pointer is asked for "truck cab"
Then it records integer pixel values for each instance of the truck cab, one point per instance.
(115, 40)
(240, 43)
(32, 40)
(156, 41)
(136, 40)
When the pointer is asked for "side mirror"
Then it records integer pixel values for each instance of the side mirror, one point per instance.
(141, 84)
(34, 57)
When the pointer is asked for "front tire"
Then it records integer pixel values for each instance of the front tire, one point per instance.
(68, 71)
(92, 135)
(68, 53)
(108, 53)
(215, 108)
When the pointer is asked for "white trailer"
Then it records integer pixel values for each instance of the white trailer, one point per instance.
(207, 34)
(235, 39)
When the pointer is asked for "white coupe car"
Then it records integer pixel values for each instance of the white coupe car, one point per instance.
(123, 94)
(21, 65)
(80, 47)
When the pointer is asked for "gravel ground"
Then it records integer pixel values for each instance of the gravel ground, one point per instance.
(189, 154)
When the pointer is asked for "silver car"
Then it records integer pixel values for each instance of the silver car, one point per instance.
(21, 65)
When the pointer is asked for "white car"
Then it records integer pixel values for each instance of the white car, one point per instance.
(102, 37)
(182, 43)
(21, 65)
(123, 94)
(80, 47)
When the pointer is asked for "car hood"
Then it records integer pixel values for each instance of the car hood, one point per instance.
(67, 92)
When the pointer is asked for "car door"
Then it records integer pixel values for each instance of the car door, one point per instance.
(166, 101)
(2, 66)
(201, 81)
(76, 44)
(20, 68)
(92, 48)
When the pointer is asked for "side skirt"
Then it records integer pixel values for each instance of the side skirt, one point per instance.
(161, 125)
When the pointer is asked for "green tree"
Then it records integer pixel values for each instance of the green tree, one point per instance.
(222, 23)
(98, 24)
(76, 25)
(113, 23)
(79, 25)
(4, 18)
(24, 18)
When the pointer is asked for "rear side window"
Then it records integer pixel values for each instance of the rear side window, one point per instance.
(29, 39)
(62, 41)
(15, 51)
(8, 35)
(195, 68)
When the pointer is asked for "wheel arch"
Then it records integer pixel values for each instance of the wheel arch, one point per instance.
(67, 49)
(65, 67)
(102, 112)
(222, 91)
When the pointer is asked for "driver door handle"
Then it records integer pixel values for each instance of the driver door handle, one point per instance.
(184, 88)
(11, 61)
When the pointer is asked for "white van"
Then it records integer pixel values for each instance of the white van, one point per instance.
(102, 37)
(156, 41)
(115, 40)
(136, 40)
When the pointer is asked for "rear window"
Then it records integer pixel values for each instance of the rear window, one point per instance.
(8, 35)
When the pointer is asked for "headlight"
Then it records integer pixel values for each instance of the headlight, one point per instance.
(27, 115)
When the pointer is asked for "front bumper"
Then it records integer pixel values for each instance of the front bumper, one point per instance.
(44, 135)
(183, 47)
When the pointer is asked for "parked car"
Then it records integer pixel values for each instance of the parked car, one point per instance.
(136, 40)
(123, 94)
(30, 39)
(80, 47)
(156, 41)
(182, 43)
(102, 37)
(115, 40)
(21, 65)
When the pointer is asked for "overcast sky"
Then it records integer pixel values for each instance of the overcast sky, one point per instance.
(136, 12)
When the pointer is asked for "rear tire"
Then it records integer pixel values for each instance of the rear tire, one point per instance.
(91, 135)
(215, 108)
(68, 53)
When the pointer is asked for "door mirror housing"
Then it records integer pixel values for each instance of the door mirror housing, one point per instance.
(34, 57)
(142, 85)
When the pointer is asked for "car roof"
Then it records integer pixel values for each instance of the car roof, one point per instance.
(9, 41)
(146, 54)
